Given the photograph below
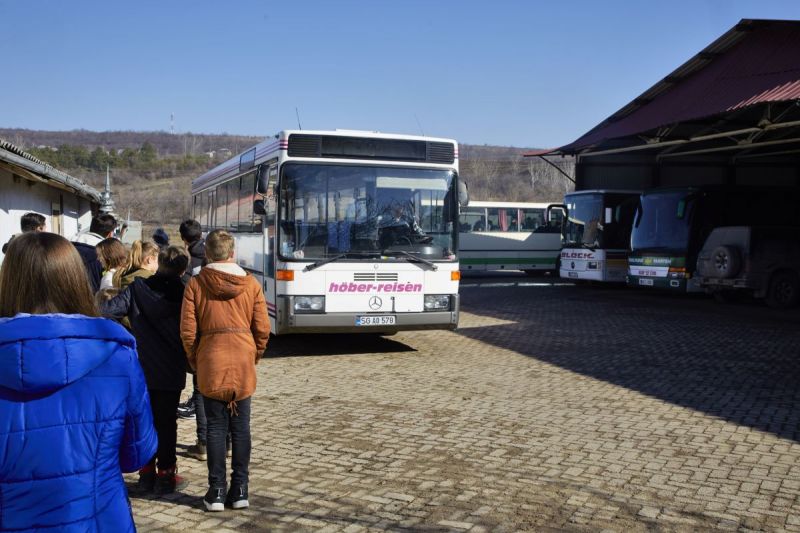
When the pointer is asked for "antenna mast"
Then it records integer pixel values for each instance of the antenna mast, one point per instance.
(419, 125)
(297, 113)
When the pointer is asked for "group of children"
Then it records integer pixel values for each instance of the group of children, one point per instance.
(208, 317)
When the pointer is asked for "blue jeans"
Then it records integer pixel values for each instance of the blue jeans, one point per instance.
(220, 421)
(199, 411)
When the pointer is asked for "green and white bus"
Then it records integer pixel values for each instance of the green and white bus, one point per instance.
(509, 236)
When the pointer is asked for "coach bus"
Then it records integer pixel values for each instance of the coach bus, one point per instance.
(508, 236)
(596, 234)
(672, 224)
(347, 231)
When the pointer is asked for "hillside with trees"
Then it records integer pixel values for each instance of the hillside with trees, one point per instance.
(152, 171)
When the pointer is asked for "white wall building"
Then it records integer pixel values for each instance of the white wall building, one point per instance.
(29, 184)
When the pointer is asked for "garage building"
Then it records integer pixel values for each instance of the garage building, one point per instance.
(729, 115)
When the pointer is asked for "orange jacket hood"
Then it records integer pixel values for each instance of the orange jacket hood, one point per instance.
(222, 285)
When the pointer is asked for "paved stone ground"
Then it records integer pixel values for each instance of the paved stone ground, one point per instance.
(552, 408)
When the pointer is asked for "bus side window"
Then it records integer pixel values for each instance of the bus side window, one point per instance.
(232, 209)
(502, 219)
(246, 196)
(472, 220)
(202, 212)
(531, 219)
(221, 199)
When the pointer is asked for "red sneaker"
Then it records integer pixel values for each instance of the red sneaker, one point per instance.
(169, 481)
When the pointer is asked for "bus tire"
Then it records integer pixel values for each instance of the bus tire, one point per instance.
(783, 291)
(725, 261)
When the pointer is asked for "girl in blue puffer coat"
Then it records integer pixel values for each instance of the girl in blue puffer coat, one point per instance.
(74, 410)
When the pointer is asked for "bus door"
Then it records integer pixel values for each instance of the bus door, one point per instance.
(267, 188)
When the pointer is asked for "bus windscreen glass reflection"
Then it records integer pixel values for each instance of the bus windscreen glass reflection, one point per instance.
(329, 210)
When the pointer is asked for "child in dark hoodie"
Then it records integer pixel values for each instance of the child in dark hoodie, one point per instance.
(153, 306)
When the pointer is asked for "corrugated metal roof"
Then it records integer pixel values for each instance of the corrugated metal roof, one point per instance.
(755, 62)
(15, 155)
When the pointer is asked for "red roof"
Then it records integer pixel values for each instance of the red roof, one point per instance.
(541, 151)
(757, 61)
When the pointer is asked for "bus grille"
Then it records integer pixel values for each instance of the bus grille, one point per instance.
(375, 276)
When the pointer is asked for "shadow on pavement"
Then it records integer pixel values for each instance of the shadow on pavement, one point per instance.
(333, 344)
(740, 363)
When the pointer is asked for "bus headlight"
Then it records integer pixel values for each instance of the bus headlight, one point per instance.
(437, 302)
(309, 304)
(592, 265)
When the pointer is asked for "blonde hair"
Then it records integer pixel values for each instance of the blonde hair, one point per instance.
(219, 245)
(139, 252)
(43, 273)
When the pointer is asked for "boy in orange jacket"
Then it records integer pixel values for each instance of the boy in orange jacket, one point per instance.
(225, 329)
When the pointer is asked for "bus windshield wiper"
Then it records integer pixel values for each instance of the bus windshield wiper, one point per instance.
(336, 257)
(411, 257)
(587, 245)
(321, 262)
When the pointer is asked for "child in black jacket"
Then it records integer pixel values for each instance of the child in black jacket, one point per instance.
(153, 306)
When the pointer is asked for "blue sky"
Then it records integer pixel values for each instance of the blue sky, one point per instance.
(522, 73)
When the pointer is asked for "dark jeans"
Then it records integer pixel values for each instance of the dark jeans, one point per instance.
(164, 404)
(220, 422)
(199, 411)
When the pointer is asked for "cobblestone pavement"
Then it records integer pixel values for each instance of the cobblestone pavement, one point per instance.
(553, 407)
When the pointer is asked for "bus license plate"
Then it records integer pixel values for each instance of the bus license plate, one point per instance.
(646, 281)
(572, 274)
(383, 320)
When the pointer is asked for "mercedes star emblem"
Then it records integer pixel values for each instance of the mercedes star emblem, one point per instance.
(375, 303)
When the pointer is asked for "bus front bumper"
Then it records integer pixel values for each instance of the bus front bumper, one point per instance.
(668, 284)
(290, 322)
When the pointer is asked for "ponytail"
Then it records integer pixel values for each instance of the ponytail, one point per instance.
(136, 257)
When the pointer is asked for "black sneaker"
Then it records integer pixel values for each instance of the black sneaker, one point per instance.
(186, 412)
(169, 481)
(237, 497)
(147, 479)
(187, 403)
(214, 499)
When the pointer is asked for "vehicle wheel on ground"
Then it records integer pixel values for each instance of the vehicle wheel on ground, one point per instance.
(783, 291)
(725, 261)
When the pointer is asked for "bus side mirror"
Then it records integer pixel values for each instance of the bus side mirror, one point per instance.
(609, 215)
(262, 180)
(258, 207)
(463, 194)
(560, 207)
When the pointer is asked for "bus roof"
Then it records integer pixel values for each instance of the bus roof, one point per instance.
(602, 191)
(279, 142)
(519, 205)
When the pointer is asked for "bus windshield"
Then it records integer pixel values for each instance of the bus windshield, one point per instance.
(662, 222)
(584, 224)
(364, 212)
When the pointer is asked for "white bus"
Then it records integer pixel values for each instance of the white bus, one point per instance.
(508, 236)
(348, 231)
(596, 234)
